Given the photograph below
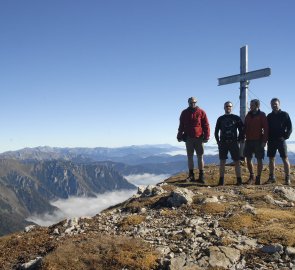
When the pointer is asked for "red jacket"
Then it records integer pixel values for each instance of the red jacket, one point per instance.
(194, 123)
(256, 127)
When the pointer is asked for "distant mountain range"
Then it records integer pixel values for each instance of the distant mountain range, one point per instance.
(30, 178)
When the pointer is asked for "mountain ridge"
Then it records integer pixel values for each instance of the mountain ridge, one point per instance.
(173, 225)
(28, 187)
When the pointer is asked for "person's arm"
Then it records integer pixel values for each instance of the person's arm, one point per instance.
(265, 128)
(181, 127)
(288, 127)
(205, 126)
(241, 129)
(216, 132)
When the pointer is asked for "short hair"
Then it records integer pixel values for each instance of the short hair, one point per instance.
(256, 102)
(274, 100)
(227, 102)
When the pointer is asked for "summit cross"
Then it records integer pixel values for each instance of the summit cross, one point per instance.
(243, 78)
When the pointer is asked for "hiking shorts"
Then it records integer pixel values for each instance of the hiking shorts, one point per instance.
(254, 147)
(273, 146)
(232, 147)
(192, 145)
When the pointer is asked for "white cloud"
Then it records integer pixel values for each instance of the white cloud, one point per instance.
(81, 206)
(146, 179)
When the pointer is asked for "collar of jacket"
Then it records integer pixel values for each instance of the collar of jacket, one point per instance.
(193, 109)
(254, 114)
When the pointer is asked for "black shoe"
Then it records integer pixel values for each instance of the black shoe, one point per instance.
(201, 179)
(257, 180)
(287, 181)
(191, 178)
(221, 181)
(271, 180)
(239, 181)
(251, 179)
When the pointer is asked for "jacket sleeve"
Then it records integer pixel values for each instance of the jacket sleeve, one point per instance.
(288, 127)
(216, 132)
(241, 129)
(181, 126)
(265, 127)
(205, 126)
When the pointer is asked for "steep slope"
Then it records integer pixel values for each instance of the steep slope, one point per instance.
(27, 188)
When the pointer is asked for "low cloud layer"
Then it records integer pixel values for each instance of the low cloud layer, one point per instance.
(81, 206)
(78, 207)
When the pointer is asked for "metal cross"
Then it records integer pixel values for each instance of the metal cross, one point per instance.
(243, 78)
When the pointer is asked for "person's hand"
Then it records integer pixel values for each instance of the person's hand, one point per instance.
(263, 144)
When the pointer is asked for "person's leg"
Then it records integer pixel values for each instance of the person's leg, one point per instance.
(190, 157)
(259, 171)
(286, 166)
(271, 167)
(259, 166)
(250, 166)
(199, 147)
(235, 154)
(238, 168)
(284, 155)
(271, 153)
(200, 162)
(222, 167)
(259, 154)
(248, 153)
(221, 172)
(287, 170)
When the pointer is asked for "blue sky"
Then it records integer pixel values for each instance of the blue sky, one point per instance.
(119, 72)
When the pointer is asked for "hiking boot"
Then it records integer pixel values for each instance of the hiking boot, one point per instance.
(271, 180)
(221, 181)
(191, 178)
(251, 179)
(257, 180)
(287, 180)
(201, 179)
(239, 181)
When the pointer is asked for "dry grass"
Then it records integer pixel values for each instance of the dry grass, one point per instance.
(131, 221)
(168, 213)
(213, 208)
(24, 247)
(268, 225)
(101, 253)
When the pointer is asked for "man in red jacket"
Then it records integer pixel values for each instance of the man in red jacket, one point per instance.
(256, 131)
(195, 131)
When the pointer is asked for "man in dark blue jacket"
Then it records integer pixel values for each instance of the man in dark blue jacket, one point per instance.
(280, 129)
(228, 140)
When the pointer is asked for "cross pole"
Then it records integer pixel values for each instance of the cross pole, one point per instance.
(243, 78)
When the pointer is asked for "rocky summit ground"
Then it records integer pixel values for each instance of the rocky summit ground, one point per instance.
(173, 225)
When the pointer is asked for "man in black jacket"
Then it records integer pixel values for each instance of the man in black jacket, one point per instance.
(280, 129)
(228, 125)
